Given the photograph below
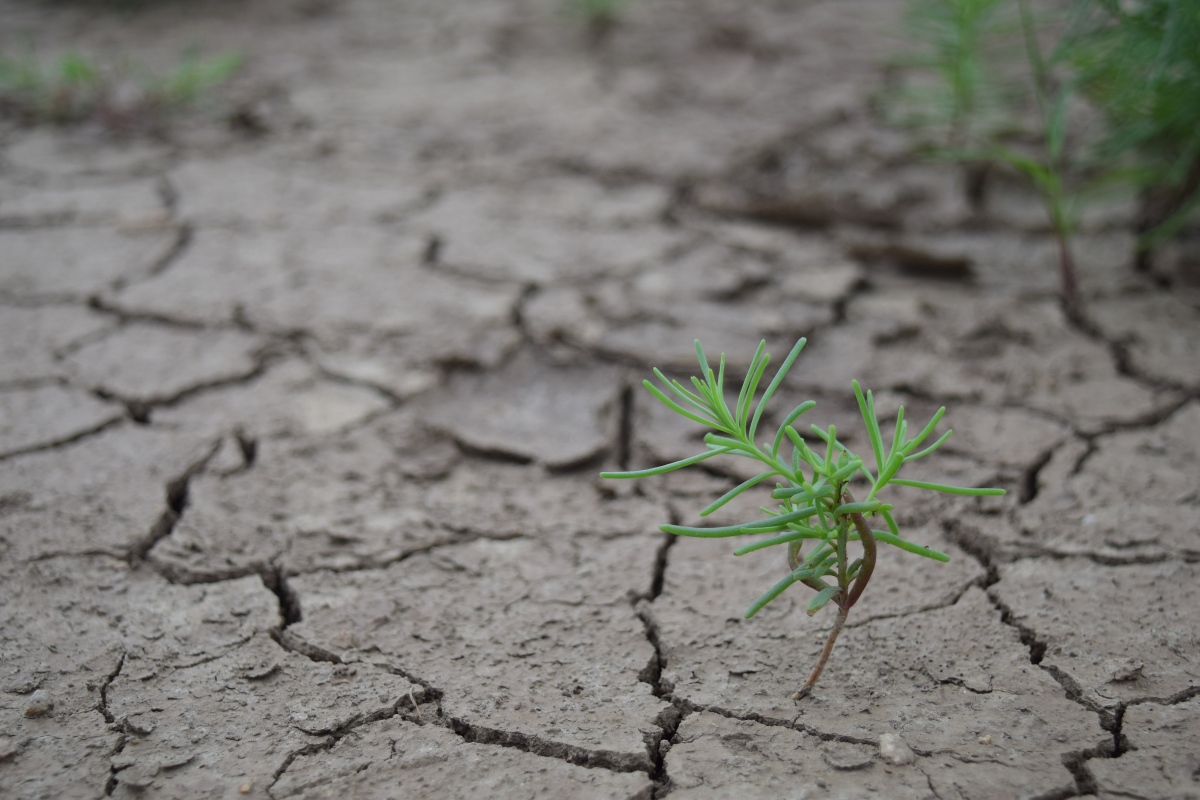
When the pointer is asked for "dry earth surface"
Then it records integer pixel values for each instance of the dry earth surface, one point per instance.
(302, 406)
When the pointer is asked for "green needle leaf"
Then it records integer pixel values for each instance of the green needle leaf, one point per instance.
(646, 473)
(865, 507)
(783, 538)
(742, 402)
(898, 434)
(707, 533)
(938, 487)
(802, 448)
(779, 522)
(735, 491)
(704, 368)
(891, 522)
(866, 406)
(796, 412)
(924, 434)
(754, 381)
(931, 447)
(771, 594)
(829, 448)
(801, 495)
(678, 409)
(821, 600)
(778, 379)
(911, 547)
(676, 387)
(825, 435)
(846, 471)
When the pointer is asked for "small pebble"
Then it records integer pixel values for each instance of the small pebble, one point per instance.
(245, 788)
(894, 750)
(8, 748)
(986, 739)
(39, 704)
(138, 776)
(1123, 670)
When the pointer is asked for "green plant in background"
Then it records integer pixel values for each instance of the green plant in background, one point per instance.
(598, 9)
(601, 16)
(59, 92)
(976, 104)
(1139, 63)
(75, 87)
(193, 76)
(813, 489)
(1139, 68)
(963, 107)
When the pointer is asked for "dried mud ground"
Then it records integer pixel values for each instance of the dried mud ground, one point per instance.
(301, 417)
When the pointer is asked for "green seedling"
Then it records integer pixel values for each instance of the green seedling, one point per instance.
(963, 107)
(194, 76)
(813, 487)
(974, 105)
(607, 10)
(601, 16)
(75, 87)
(1139, 63)
(1133, 63)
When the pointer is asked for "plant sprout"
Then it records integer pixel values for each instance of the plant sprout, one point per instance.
(976, 103)
(813, 488)
(1135, 63)
(599, 9)
(76, 87)
(1139, 63)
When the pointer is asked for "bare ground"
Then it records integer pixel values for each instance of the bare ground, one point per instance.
(301, 413)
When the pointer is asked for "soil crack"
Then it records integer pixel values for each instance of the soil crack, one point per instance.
(64, 441)
(140, 408)
(530, 743)
(183, 238)
(177, 500)
(110, 785)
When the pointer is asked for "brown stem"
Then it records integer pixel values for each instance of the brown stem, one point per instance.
(843, 612)
(845, 601)
(1156, 206)
(1066, 274)
(868, 563)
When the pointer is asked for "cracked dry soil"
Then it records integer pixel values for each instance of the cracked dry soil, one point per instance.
(299, 430)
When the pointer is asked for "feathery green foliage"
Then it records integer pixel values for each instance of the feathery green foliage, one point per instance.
(1137, 63)
(812, 486)
(598, 10)
(977, 103)
(75, 87)
(964, 106)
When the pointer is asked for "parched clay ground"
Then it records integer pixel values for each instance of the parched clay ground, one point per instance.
(301, 418)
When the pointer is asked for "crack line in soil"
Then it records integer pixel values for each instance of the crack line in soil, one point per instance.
(140, 409)
(124, 316)
(775, 722)
(670, 718)
(530, 743)
(984, 551)
(64, 441)
(110, 785)
(176, 502)
(1175, 699)
(394, 400)
(469, 732)
(1029, 476)
(183, 238)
